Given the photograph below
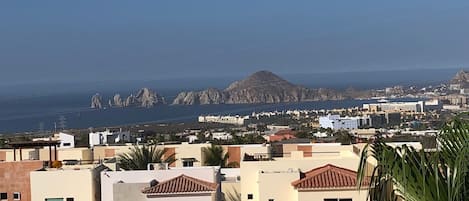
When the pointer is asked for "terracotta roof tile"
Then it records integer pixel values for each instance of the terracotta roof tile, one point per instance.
(181, 184)
(328, 176)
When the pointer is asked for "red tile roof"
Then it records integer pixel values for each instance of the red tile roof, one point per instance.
(181, 184)
(328, 176)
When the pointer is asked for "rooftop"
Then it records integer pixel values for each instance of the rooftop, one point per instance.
(32, 144)
(328, 176)
(181, 184)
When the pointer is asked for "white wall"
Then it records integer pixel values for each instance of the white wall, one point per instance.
(143, 176)
(66, 139)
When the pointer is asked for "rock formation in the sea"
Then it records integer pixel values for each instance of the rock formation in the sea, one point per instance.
(130, 100)
(148, 98)
(462, 77)
(144, 98)
(459, 81)
(96, 101)
(260, 87)
(117, 101)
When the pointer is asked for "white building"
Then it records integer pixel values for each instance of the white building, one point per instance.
(66, 140)
(221, 136)
(139, 185)
(417, 106)
(107, 136)
(336, 122)
(236, 120)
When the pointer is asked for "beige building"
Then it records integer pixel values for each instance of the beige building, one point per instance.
(238, 152)
(80, 154)
(73, 183)
(282, 178)
(187, 155)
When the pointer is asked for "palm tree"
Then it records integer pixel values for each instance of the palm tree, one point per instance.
(233, 195)
(139, 157)
(407, 174)
(215, 156)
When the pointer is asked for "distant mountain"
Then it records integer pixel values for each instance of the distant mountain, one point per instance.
(260, 87)
(462, 77)
(145, 97)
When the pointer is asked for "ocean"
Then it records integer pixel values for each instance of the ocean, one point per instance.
(43, 113)
(41, 107)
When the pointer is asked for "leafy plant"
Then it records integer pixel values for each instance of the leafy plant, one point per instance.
(215, 156)
(139, 157)
(405, 173)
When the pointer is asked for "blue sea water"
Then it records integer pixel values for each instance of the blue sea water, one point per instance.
(33, 108)
(33, 114)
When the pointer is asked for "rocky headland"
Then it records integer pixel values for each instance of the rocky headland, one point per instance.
(145, 97)
(260, 87)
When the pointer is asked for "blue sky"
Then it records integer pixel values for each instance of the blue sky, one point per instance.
(56, 41)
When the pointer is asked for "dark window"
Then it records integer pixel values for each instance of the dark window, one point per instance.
(330, 199)
(67, 144)
(346, 199)
(3, 196)
(187, 163)
(16, 196)
(271, 199)
(70, 199)
(250, 197)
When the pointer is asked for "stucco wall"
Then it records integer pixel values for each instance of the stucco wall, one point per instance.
(321, 195)
(250, 169)
(178, 198)
(108, 179)
(62, 184)
(277, 185)
(14, 177)
(129, 191)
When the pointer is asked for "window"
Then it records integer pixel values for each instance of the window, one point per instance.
(3, 196)
(16, 196)
(271, 199)
(346, 199)
(187, 163)
(330, 199)
(70, 199)
(250, 197)
(67, 144)
(54, 199)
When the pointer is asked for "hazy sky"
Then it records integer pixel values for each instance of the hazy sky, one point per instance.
(42, 41)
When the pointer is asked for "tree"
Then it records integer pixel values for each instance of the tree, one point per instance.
(408, 174)
(139, 157)
(215, 156)
(302, 134)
